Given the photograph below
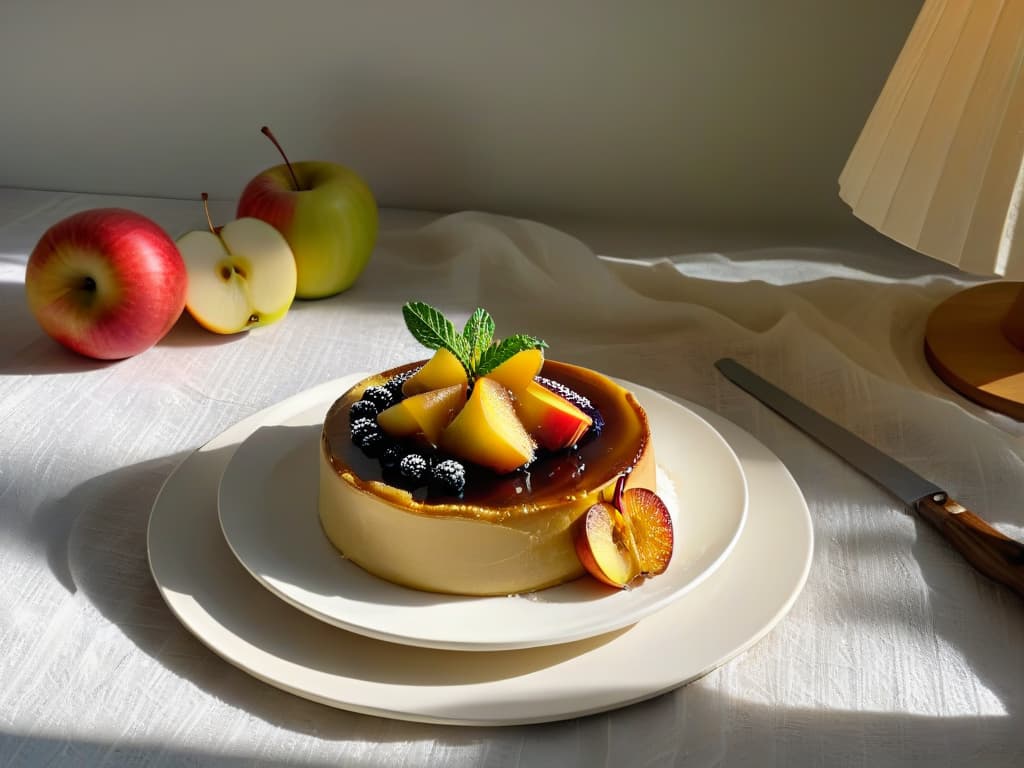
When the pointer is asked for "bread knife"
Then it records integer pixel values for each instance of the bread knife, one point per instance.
(995, 555)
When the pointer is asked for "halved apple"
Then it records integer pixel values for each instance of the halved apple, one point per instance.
(428, 412)
(618, 544)
(551, 420)
(441, 370)
(241, 277)
(487, 431)
(518, 371)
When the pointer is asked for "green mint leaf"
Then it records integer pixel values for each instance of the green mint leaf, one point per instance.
(499, 352)
(433, 330)
(478, 333)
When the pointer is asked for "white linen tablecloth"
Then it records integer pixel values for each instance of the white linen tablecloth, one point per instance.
(896, 653)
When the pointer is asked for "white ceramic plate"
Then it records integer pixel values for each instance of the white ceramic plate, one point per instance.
(217, 600)
(268, 512)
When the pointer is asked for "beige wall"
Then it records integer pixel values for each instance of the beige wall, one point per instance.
(700, 113)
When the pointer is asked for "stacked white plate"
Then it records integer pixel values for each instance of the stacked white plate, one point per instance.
(236, 548)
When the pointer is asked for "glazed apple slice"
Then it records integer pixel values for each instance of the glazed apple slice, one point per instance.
(429, 413)
(518, 371)
(487, 431)
(631, 537)
(441, 370)
(551, 420)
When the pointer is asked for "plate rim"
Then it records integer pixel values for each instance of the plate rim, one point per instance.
(623, 611)
(786, 505)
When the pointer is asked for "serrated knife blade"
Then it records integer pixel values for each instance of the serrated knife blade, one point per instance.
(994, 554)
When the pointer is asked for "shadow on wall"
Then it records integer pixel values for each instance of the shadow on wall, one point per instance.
(689, 111)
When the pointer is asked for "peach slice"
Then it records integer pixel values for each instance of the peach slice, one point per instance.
(441, 370)
(603, 547)
(518, 371)
(487, 431)
(428, 412)
(551, 420)
(621, 541)
(651, 524)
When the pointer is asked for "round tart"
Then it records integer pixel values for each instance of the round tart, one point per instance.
(504, 533)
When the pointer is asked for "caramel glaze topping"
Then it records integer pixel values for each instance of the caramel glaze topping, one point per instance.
(552, 480)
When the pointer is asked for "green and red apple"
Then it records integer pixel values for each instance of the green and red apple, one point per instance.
(107, 283)
(240, 276)
(327, 214)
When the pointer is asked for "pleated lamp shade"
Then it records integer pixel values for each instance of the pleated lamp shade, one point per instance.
(939, 167)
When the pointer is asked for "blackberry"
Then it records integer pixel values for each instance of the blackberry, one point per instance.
(450, 476)
(362, 409)
(374, 442)
(414, 467)
(362, 427)
(395, 382)
(391, 456)
(382, 397)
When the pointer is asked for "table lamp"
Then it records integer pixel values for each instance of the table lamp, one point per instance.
(939, 167)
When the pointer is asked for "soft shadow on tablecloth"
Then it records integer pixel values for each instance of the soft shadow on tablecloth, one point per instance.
(896, 652)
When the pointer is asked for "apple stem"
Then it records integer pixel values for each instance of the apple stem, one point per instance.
(620, 486)
(206, 210)
(265, 130)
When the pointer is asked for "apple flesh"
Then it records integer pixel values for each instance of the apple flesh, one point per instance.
(631, 537)
(330, 221)
(107, 283)
(427, 413)
(487, 431)
(243, 276)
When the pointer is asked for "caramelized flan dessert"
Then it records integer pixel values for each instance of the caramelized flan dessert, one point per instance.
(488, 470)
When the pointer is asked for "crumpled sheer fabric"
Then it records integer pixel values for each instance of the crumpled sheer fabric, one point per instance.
(896, 652)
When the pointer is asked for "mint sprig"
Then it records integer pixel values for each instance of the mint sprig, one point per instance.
(499, 352)
(474, 348)
(478, 333)
(433, 330)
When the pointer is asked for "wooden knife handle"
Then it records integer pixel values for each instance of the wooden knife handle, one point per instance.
(997, 556)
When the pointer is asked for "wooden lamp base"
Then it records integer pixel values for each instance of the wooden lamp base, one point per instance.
(970, 343)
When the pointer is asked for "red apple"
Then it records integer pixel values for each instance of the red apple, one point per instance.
(107, 283)
(325, 212)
